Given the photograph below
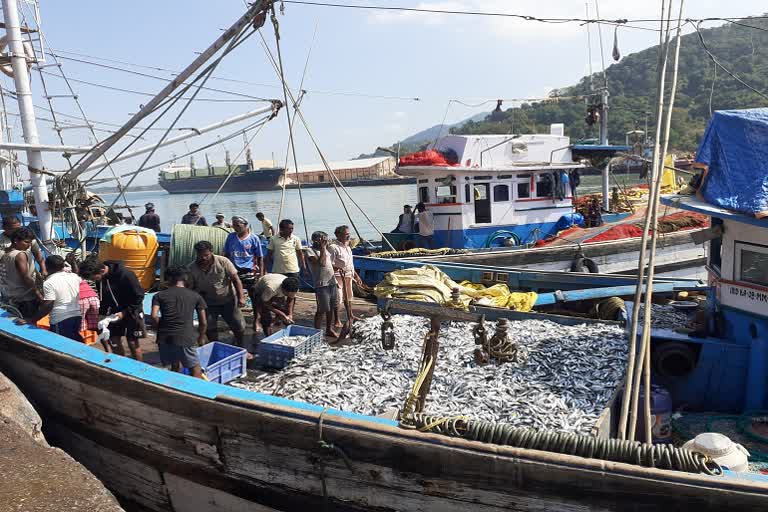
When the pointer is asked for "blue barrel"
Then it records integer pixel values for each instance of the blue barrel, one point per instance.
(661, 415)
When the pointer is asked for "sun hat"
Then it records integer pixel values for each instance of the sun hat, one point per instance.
(721, 449)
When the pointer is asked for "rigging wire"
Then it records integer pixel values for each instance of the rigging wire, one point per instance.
(715, 60)
(291, 142)
(155, 77)
(80, 108)
(219, 140)
(173, 98)
(233, 168)
(523, 17)
(249, 83)
(290, 130)
(600, 38)
(151, 94)
(337, 184)
(169, 103)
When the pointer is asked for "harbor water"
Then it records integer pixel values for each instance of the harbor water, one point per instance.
(322, 207)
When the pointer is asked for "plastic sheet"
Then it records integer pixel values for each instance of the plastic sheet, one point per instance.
(735, 148)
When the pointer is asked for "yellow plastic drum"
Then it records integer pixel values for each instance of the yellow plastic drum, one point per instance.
(137, 249)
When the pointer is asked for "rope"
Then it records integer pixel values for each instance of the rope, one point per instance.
(661, 456)
(291, 143)
(337, 184)
(328, 449)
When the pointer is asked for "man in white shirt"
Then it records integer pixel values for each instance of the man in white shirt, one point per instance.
(426, 221)
(61, 296)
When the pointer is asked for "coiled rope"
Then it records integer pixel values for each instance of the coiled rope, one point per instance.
(185, 236)
(659, 456)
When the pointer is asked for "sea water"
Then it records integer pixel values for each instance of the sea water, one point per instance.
(322, 207)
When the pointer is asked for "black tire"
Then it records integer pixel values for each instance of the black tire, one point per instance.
(579, 264)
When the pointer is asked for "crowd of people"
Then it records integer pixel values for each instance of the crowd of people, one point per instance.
(104, 300)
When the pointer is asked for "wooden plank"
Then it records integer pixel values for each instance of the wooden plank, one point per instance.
(188, 495)
(126, 477)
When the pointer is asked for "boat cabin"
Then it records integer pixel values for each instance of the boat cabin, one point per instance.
(513, 188)
(727, 369)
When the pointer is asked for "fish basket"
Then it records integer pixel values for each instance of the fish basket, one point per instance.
(274, 355)
(222, 363)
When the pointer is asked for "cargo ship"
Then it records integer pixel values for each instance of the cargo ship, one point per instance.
(184, 179)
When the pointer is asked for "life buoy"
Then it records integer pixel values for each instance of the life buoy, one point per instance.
(29, 53)
(580, 263)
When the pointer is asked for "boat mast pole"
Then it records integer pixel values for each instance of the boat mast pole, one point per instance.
(604, 142)
(256, 9)
(19, 65)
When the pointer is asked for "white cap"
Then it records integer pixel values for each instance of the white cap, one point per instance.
(721, 449)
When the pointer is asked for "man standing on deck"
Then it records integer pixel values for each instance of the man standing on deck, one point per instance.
(193, 216)
(150, 219)
(344, 266)
(274, 294)
(122, 297)
(284, 252)
(214, 277)
(267, 229)
(426, 221)
(176, 338)
(11, 224)
(243, 248)
(324, 281)
(61, 294)
(406, 221)
(220, 222)
(17, 274)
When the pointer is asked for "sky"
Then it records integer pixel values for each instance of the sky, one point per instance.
(372, 77)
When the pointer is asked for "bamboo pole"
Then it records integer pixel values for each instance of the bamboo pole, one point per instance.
(631, 370)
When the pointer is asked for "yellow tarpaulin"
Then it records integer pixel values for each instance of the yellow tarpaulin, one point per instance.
(428, 284)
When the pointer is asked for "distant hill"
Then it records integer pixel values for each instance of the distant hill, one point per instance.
(632, 84)
(419, 140)
(742, 47)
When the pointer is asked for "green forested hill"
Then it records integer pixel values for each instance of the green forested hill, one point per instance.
(741, 49)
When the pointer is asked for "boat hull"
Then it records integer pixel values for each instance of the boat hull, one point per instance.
(166, 442)
(676, 256)
(250, 181)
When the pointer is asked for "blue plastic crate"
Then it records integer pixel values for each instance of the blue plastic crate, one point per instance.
(221, 362)
(273, 355)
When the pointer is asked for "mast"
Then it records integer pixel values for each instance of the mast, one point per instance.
(27, 112)
(255, 16)
(604, 142)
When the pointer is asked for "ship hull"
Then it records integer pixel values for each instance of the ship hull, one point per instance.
(263, 179)
(167, 442)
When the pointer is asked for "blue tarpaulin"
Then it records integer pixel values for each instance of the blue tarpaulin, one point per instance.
(735, 148)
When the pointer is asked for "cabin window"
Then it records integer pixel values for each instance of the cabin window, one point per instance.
(500, 193)
(446, 194)
(467, 194)
(544, 185)
(425, 180)
(482, 178)
(423, 194)
(523, 190)
(504, 177)
(752, 263)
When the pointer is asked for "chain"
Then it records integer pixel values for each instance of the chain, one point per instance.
(387, 330)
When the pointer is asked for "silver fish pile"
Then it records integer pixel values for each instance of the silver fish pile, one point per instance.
(290, 341)
(562, 382)
(664, 317)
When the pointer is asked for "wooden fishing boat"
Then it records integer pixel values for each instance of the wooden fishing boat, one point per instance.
(167, 442)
